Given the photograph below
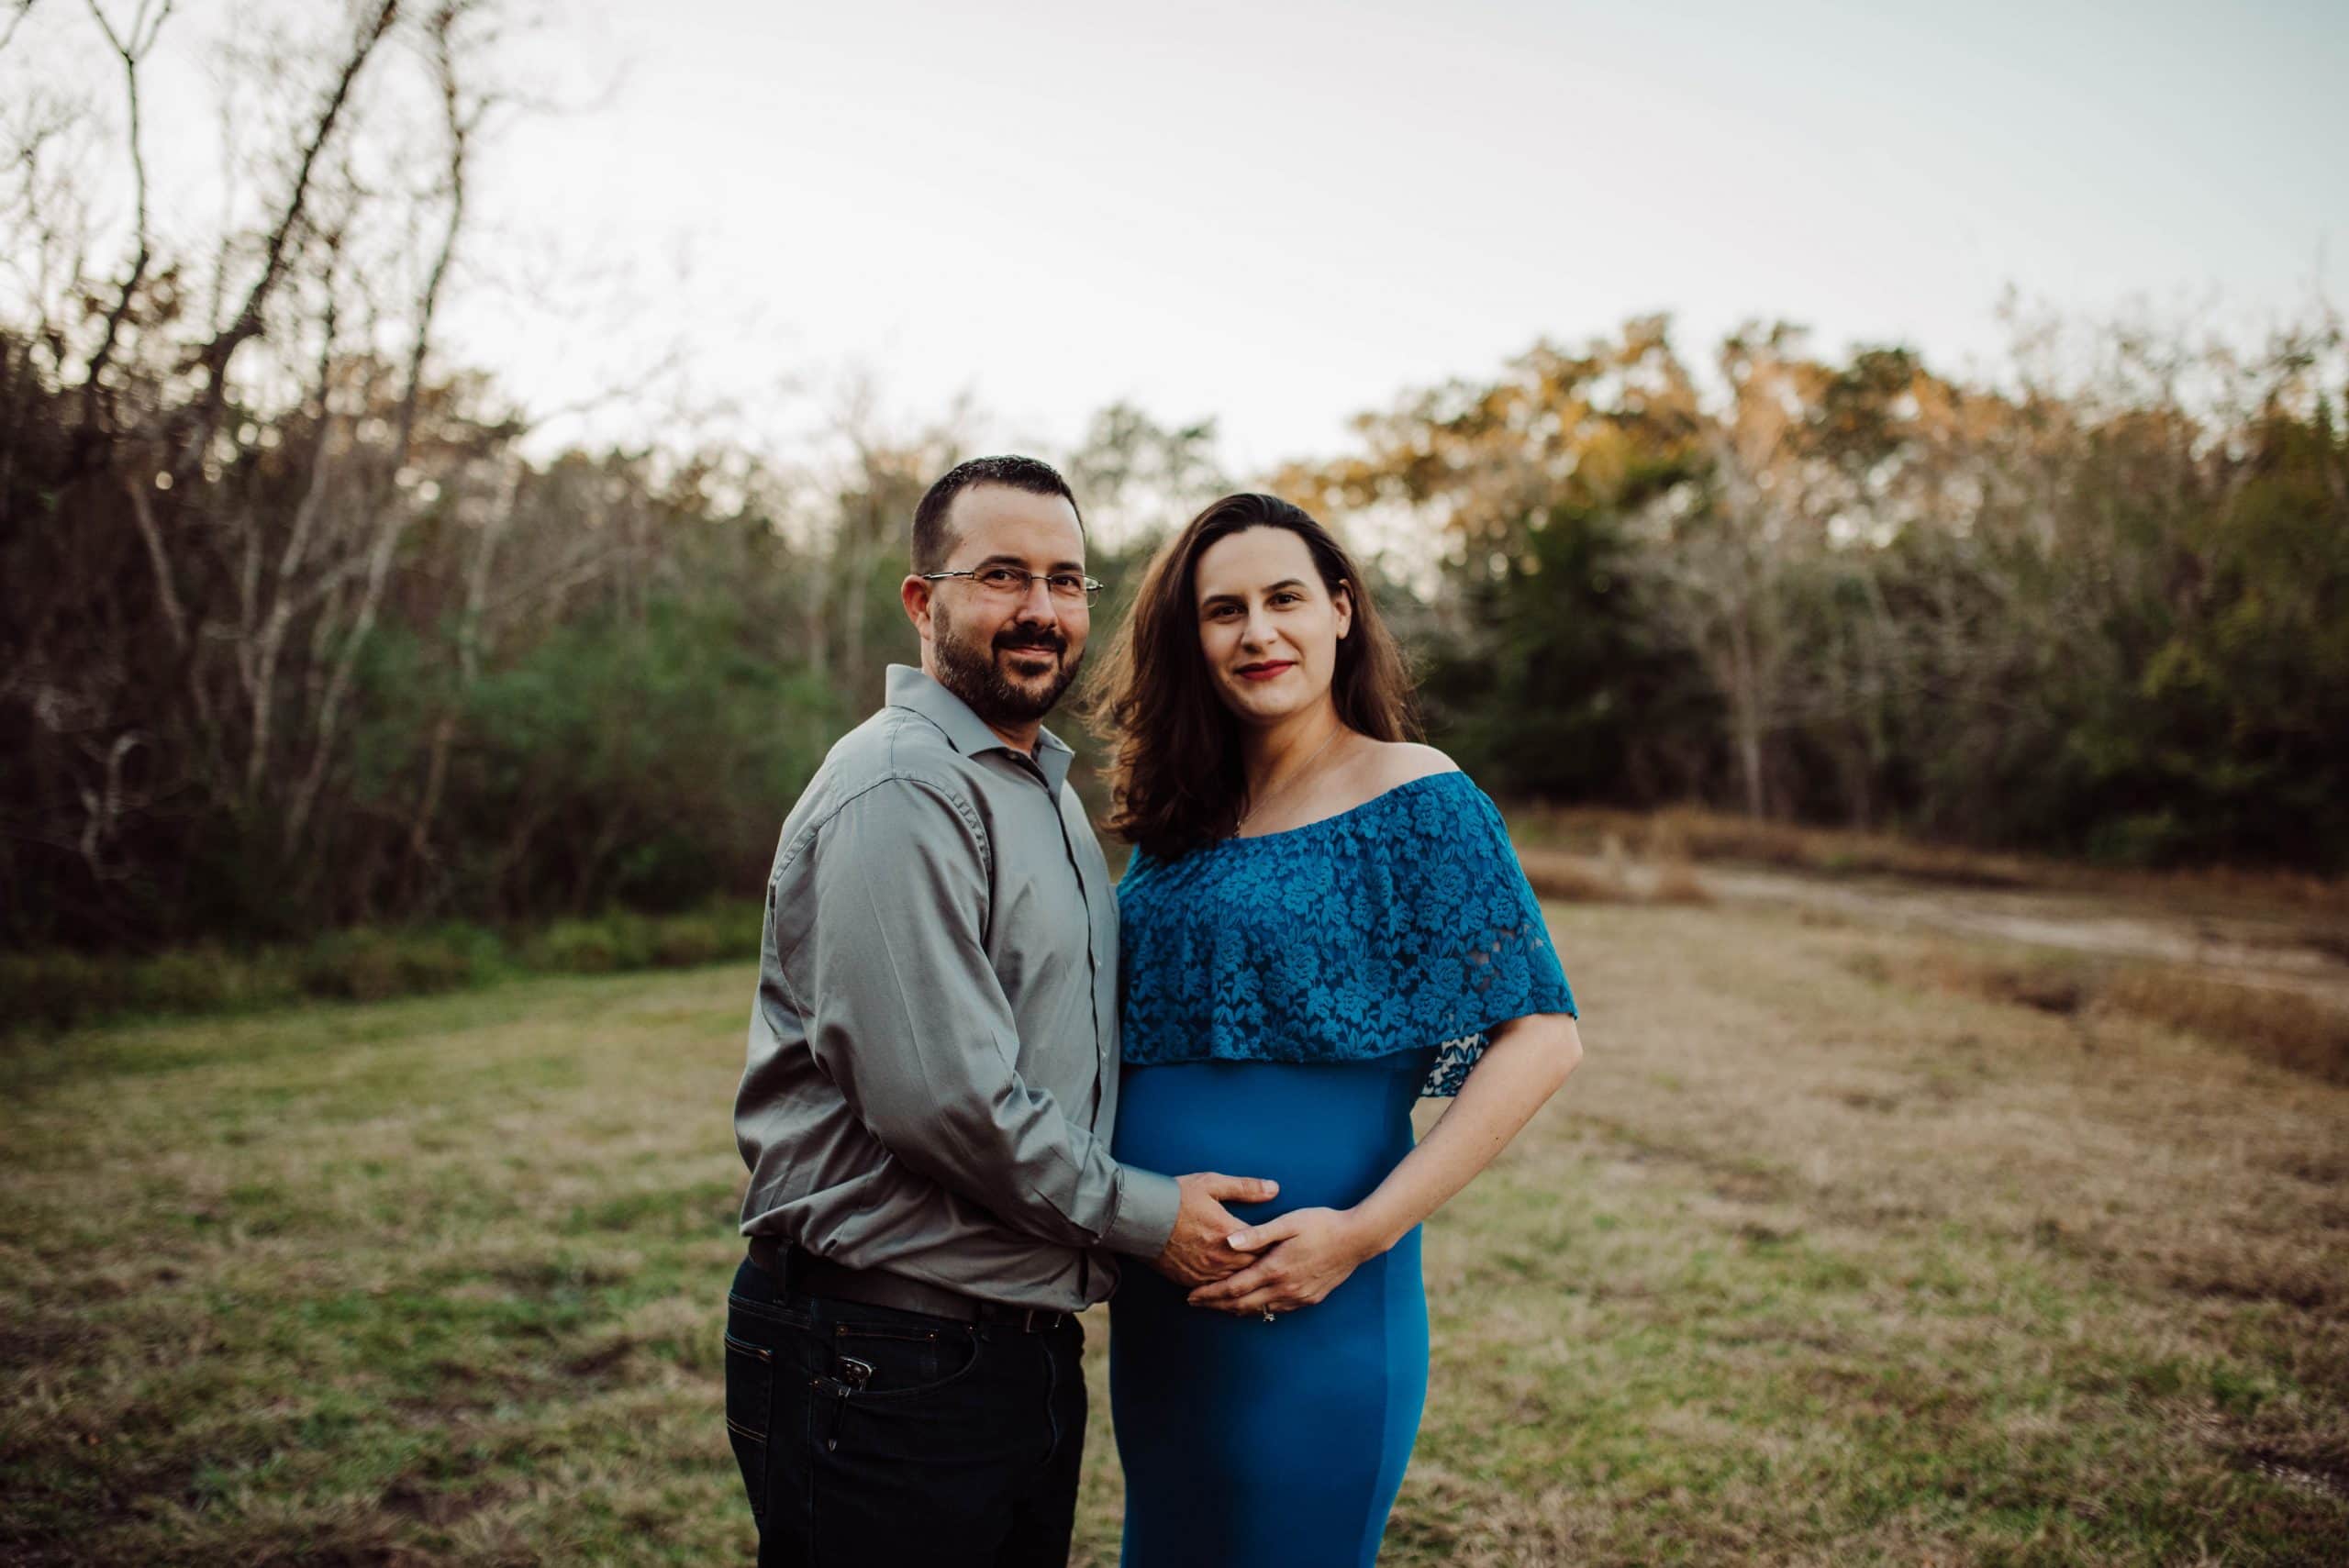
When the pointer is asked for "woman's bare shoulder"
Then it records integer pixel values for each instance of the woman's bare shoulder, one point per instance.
(1384, 764)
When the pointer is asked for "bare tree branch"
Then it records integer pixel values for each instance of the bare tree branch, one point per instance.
(166, 592)
(460, 120)
(215, 356)
(131, 50)
(18, 10)
(286, 604)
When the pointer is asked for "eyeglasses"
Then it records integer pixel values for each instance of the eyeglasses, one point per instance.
(1011, 583)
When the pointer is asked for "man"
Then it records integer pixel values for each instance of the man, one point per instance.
(932, 1085)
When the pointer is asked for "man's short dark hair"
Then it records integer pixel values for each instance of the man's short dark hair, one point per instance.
(933, 540)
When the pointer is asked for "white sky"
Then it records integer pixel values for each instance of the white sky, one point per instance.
(1280, 215)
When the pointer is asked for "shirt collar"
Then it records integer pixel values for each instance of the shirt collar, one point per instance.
(966, 732)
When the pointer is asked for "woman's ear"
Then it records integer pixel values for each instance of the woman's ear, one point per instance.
(1344, 603)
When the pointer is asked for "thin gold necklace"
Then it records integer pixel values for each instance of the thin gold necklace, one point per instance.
(1293, 778)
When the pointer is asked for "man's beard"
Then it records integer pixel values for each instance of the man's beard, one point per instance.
(972, 674)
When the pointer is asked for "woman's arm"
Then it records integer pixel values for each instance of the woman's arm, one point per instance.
(1308, 1252)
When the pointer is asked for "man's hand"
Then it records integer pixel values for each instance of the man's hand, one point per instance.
(1299, 1257)
(1199, 1252)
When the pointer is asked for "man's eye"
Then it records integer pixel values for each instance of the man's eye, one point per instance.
(1001, 577)
(1064, 583)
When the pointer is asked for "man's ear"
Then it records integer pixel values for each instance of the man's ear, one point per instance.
(914, 594)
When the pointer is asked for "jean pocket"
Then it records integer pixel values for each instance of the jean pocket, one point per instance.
(881, 1360)
(749, 1414)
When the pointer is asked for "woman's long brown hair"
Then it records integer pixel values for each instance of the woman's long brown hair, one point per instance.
(1175, 774)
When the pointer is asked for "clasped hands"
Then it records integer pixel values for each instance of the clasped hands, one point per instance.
(1288, 1261)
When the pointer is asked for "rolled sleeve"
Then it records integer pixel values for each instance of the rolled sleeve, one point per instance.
(908, 1017)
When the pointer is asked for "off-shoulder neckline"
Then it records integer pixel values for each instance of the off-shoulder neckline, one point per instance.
(1381, 798)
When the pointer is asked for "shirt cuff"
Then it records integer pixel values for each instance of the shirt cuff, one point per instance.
(1147, 1204)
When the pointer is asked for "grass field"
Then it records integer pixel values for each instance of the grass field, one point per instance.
(1815, 1260)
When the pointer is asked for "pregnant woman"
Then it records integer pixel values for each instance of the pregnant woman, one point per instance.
(1322, 923)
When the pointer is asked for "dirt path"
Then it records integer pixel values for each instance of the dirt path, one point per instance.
(2282, 951)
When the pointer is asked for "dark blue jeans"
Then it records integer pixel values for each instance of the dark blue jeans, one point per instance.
(870, 1436)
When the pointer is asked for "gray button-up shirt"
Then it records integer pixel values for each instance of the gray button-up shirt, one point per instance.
(932, 1079)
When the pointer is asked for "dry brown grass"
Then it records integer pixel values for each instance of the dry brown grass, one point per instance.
(1610, 878)
(1705, 835)
(1676, 882)
(2289, 1029)
(2282, 1028)
(1572, 879)
(1808, 1219)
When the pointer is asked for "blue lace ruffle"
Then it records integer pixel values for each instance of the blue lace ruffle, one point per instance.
(1402, 925)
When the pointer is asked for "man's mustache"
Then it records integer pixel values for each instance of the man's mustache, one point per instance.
(1037, 638)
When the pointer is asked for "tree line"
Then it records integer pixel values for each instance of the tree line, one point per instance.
(300, 627)
(2099, 607)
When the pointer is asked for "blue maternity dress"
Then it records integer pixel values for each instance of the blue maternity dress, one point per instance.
(1288, 998)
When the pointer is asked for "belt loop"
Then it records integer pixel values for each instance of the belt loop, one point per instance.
(773, 1258)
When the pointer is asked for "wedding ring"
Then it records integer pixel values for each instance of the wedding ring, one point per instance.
(1268, 1313)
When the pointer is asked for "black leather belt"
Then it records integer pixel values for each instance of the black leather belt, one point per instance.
(796, 1269)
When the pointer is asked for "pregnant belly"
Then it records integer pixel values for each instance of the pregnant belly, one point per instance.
(1328, 1132)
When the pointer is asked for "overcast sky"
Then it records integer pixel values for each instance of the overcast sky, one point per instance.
(1281, 214)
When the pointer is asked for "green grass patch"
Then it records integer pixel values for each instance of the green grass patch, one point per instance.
(440, 1280)
(48, 992)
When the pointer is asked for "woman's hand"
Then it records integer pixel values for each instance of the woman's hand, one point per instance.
(1307, 1253)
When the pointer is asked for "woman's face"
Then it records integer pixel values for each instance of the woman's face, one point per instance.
(1267, 626)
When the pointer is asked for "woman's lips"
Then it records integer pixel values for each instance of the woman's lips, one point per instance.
(1267, 671)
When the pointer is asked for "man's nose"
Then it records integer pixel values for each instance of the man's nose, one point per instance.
(1037, 604)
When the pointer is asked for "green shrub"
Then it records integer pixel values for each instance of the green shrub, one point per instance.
(60, 989)
(600, 946)
(621, 940)
(54, 989)
(741, 922)
(723, 933)
(367, 965)
(682, 942)
(208, 980)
